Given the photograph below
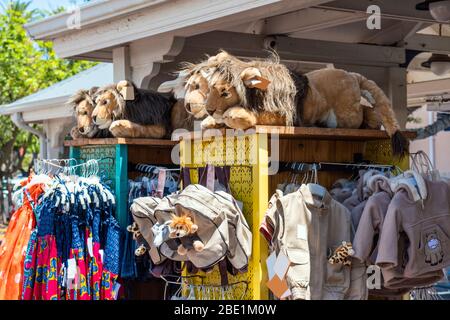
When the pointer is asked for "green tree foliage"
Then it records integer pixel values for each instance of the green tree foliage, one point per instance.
(26, 66)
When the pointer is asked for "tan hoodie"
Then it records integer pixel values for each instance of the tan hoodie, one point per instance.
(309, 230)
(371, 220)
(366, 245)
(419, 210)
(363, 239)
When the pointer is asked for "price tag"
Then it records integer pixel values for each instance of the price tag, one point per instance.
(161, 183)
(71, 269)
(302, 232)
(127, 93)
(90, 247)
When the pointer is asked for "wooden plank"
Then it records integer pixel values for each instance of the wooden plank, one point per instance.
(310, 151)
(297, 49)
(296, 132)
(112, 141)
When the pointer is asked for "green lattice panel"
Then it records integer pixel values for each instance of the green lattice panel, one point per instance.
(107, 168)
(113, 170)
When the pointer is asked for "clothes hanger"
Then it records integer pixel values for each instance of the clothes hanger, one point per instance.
(313, 186)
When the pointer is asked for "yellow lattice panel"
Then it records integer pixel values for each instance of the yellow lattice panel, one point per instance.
(247, 156)
(380, 152)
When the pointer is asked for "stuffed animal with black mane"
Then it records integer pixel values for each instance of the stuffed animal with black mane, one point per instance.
(130, 112)
(242, 94)
(82, 103)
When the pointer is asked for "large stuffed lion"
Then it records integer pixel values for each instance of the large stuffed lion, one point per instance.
(242, 94)
(143, 114)
(82, 103)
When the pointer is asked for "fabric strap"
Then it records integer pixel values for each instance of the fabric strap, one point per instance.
(223, 272)
(186, 173)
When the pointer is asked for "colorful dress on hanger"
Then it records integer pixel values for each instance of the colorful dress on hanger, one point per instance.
(14, 246)
(95, 264)
(78, 287)
(47, 262)
(111, 266)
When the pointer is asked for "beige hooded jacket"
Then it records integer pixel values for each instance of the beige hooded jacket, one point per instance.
(419, 211)
(307, 230)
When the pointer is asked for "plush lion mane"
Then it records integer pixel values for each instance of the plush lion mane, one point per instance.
(82, 95)
(286, 92)
(89, 96)
(281, 95)
(184, 221)
(148, 107)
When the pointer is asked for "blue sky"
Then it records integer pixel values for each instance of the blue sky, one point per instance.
(51, 4)
(47, 4)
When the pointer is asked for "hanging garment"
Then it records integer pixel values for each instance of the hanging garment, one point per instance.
(307, 229)
(342, 189)
(74, 252)
(369, 226)
(361, 193)
(95, 263)
(136, 262)
(14, 246)
(77, 264)
(47, 264)
(419, 210)
(29, 268)
(111, 259)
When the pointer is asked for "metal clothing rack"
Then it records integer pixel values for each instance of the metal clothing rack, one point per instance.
(68, 166)
(299, 167)
(149, 168)
(204, 291)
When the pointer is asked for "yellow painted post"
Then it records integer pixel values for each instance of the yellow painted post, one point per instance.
(260, 202)
(380, 152)
(249, 183)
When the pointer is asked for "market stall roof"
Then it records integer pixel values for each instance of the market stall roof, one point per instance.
(94, 29)
(49, 103)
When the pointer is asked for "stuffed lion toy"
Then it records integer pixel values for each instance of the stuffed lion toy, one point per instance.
(242, 94)
(184, 229)
(82, 103)
(130, 112)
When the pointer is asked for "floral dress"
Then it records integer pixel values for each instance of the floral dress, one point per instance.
(47, 262)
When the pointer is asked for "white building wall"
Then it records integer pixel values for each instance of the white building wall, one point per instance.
(437, 147)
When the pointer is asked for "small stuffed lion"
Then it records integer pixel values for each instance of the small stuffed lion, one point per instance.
(184, 229)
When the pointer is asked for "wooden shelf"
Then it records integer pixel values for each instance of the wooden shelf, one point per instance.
(283, 132)
(297, 132)
(113, 141)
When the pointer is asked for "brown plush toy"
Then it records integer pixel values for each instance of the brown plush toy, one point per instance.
(184, 229)
(143, 246)
(244, 94)
(130, 112)
(82, 103)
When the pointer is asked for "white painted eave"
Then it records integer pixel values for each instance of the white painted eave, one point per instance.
(9, 109)
(38, 111)
(113, 23)
(98, 11)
